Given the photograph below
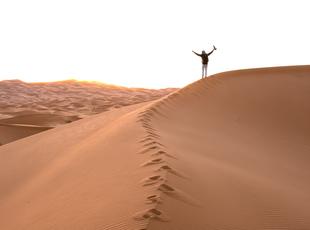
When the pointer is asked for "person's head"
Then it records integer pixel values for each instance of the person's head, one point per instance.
(203, 52)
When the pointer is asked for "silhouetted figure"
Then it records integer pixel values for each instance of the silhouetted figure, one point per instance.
(205, 59)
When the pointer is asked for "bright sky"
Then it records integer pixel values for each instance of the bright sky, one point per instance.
(143, 43)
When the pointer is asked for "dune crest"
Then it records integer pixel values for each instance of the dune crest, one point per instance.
(226, 152)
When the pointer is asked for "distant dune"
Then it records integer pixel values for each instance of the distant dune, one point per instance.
(56, 103)
(226, 152)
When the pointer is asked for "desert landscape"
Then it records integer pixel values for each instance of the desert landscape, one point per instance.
(230, 151)
(30, 108)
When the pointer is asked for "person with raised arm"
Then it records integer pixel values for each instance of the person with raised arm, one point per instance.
(205, 59)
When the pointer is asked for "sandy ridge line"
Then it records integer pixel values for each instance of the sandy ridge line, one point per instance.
(152, 141)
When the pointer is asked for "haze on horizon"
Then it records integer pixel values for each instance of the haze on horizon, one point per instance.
(147, 44)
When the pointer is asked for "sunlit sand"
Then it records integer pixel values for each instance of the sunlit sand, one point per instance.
(30, 108)
(226, 152)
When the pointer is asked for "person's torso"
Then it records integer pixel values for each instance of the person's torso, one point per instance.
(204, 58)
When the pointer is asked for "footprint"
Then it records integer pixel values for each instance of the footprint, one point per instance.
(149, 128)
(149, 149)
(166, 188)
(171, 170)
(142, 112)
(154, 199)
(161, 152)
(152, 213)
(146, 139)
(145, 115)
(153, 143)
(141, 115)
(152, 180)
(152, 133)
(151, 136)
(147, 124)
(148, 115)
(144, 120)
(153, 162)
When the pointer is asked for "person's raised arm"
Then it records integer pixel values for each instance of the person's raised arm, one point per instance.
(214, 48)
(196, 53)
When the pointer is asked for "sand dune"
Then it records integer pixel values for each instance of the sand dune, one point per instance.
(227, 152)
(20, 126)
(57, 103)
(50, 120)
(10, 132)
(68, 97)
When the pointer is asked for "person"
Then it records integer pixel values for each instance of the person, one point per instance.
(205, 59)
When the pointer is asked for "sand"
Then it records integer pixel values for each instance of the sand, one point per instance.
(11, 132)
(47, 105)
(227, 152)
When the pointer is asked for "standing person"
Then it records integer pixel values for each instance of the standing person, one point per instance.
(205, 59)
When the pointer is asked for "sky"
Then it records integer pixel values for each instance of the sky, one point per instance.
(144, 43)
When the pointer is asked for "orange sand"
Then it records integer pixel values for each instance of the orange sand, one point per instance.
(226, 152)
(56, 103)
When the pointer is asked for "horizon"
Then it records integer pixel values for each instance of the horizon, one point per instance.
(149, 88)
(89, 41)
(83, 81)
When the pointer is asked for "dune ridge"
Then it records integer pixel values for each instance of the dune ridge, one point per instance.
(52, 104)
(226, 152)
(249, 190)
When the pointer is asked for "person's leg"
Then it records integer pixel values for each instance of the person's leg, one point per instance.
(202, 71)
(206, 68)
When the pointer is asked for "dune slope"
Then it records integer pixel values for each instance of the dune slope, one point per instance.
(52, 104)
(15, 128)
(12, 132)
(226, 152)
(242, 140)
